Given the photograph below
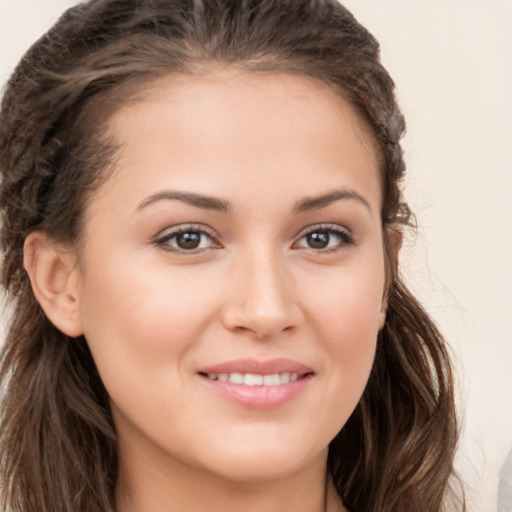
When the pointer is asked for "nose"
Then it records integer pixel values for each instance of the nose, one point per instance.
(262, 298)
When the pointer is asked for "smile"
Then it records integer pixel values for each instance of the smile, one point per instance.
(252, 379)
(258, 384)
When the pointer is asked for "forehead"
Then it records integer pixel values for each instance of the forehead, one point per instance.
(237, 92)
(238, 129)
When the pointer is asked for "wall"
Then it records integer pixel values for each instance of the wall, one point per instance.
(452, 62)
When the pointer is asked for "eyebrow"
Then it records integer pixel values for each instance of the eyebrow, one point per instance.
(317, 202)
(198, 200)
(213, 203)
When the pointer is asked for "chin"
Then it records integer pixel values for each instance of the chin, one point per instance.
(253, 462)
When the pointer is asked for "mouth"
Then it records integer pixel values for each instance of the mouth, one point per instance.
(255, 379)
(258, 384)
(254, 372)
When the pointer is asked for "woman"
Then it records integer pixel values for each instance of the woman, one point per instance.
(202, 220)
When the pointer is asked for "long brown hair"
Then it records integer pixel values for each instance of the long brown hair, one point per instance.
(57, 442)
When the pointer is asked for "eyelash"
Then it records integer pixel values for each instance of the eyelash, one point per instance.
(163, 242)
(345, 238)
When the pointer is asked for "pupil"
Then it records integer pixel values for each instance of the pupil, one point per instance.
(318, 240)
(188, 240)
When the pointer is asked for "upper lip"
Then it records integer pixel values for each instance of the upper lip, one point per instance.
(258, 367)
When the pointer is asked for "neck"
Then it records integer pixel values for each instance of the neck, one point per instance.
(181, 489)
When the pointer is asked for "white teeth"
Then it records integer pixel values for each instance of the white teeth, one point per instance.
(236, 378)
(250, 379)
(271, 380)
(253, 379)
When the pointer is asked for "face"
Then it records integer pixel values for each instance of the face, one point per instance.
(232, 277)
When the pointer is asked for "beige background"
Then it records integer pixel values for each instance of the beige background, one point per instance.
(452, 62)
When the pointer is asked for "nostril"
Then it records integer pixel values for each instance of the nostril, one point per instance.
(266, 336)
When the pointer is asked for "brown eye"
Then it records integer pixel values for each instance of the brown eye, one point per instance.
(325, 239)
(318, 240)
(188, 241)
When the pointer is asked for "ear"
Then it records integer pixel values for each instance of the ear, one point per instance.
(394, 236)
(393, 239)
(53, 274)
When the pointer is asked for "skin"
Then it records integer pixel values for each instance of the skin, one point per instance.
(154, 314)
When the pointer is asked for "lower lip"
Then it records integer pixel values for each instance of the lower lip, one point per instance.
(258, 397)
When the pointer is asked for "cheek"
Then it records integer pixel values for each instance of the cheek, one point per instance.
(349, 300)
(140, 323)
(346, 313)
(343, 312)
(350, 337)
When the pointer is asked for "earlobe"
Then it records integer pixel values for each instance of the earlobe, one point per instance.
(382, 317)
(53, 275)
(393, 244)
(396, 238)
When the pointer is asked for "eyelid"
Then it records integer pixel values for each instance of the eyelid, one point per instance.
(164, 236)
(161, 240)
(344, 233)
